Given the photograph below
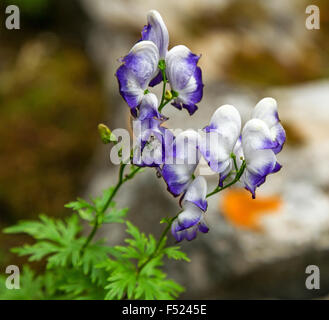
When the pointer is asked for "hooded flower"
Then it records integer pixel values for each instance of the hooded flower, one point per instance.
(185, 77)
(256, 147)
(219, 140)
(151, 142)
(139, 67)
(149, 108)
(156, 31)
(191, 219)
(267, 110)
(179, 168)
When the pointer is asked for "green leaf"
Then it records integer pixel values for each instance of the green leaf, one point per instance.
(175, 253)
(160, 288)
(165, 220)
(79, 204)
(48, 229)
(84, 208)
(77, 286)
(55, 239)
(115, 215)
(122, 279)
(139, 240)
(95, 254)
(126, 280)
(87, 214)
(101, 201)
(36, 251)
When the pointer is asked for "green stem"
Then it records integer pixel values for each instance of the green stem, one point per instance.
(164, 104)
(120, 182)
(163, 72)
(233, 156)
(155, 252)
(236, 179)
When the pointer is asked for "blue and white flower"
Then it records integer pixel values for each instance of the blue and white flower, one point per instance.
(267, 110)
(152, 140)
(139, 67)
(191, 219)
(219, 140)
(149, 108)
(256, 147)
(157, 32)
(178, 170)
(185, 78)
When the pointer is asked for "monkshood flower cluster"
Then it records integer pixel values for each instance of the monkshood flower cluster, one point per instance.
(244, 155)
(80, 267)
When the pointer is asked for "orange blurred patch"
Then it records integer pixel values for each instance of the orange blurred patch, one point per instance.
(243, 211)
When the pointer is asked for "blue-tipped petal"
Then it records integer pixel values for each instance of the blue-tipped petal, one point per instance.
(139, 67)
(156, 31)
(158, 78)
(192, 93)
(260, 163)
(223, 175)
(177, 171)
(191, 108)
(279, 135)
(277, 167)
(190, 216)
(185, 77)
(190, 234)
(202, 226)
(180, 66)
(190, 231)
(257, 136)
(178, 235)
(196, 193)
(129, 87)
(267, 110)
(177, 177)
(219, 139)
(191, 219)
(149, 107)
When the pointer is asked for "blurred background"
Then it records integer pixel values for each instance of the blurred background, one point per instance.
(57, 83)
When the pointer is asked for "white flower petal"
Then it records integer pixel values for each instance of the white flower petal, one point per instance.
(256, 136)
(196, 193)
(267, 110)
(157, 32)
(190, 216)
(139, 67)
(180, 66)
(220, 138)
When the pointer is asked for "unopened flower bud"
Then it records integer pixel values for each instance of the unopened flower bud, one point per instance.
(168, 95)
(106, 135)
